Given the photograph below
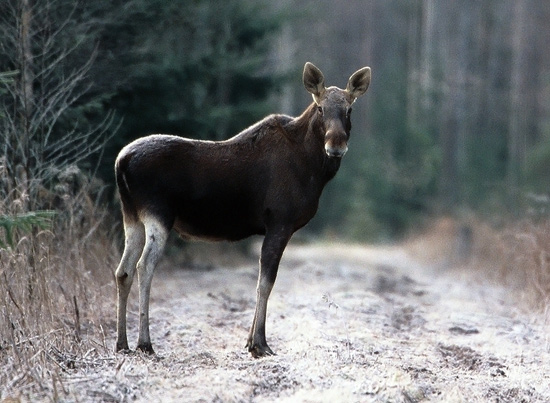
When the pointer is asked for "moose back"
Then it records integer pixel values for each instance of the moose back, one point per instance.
(266, 180)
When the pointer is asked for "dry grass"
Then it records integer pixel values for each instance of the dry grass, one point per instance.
(53, 287)
(516, 255)
(349, 322)
(519, 256)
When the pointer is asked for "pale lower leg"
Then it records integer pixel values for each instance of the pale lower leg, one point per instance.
(155, 240)
(133, 245)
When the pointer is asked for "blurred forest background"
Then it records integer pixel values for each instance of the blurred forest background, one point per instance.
(456, 123)
(456, 119)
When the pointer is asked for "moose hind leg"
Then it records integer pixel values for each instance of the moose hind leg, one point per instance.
(156, 235)
(272, 251)
(133, 245)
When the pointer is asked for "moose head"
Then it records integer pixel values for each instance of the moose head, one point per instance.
(334, 105)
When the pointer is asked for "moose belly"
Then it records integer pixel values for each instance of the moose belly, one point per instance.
(218, 220)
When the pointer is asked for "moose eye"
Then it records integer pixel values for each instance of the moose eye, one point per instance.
(348, 112)
(320, 109)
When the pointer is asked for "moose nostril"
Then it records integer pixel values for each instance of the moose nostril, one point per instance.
(335, 152)
(335, 143)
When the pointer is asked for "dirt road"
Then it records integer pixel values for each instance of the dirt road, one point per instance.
(349, 324)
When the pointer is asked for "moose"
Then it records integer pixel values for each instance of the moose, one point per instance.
(266, 180)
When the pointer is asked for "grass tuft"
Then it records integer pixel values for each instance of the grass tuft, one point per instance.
(55, 277)
(515, 254)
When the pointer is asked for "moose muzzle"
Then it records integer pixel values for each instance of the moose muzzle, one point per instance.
(336, 144)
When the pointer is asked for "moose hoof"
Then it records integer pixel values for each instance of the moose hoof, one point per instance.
(125, 351)
(259, 350)
(146, 348)
(122, 347)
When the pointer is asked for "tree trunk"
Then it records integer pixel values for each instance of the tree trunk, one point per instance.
(517, 124)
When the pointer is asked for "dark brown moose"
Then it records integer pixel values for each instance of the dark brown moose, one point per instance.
(266, 180)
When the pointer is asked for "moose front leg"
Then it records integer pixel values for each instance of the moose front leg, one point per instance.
(272, 249)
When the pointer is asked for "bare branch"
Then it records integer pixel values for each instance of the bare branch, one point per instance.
(55, 54)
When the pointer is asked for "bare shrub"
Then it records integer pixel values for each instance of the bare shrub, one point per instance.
(53, 280)
(516, 254)
(438, 244)
(53, 287)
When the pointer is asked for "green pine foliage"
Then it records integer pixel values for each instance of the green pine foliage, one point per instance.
(19, 224)
(199, 71)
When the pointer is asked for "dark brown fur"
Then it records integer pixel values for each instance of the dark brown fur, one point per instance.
(267, 180)
(230, 190)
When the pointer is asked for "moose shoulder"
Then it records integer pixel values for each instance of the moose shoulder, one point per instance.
(266, 180)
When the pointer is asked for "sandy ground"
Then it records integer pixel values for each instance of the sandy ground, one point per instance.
(348, 324)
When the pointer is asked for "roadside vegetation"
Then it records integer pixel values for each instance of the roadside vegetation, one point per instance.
(56, 291)
(515, 253)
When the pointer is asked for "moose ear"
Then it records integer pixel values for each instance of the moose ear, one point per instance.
(358, 82)
(314, 81)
